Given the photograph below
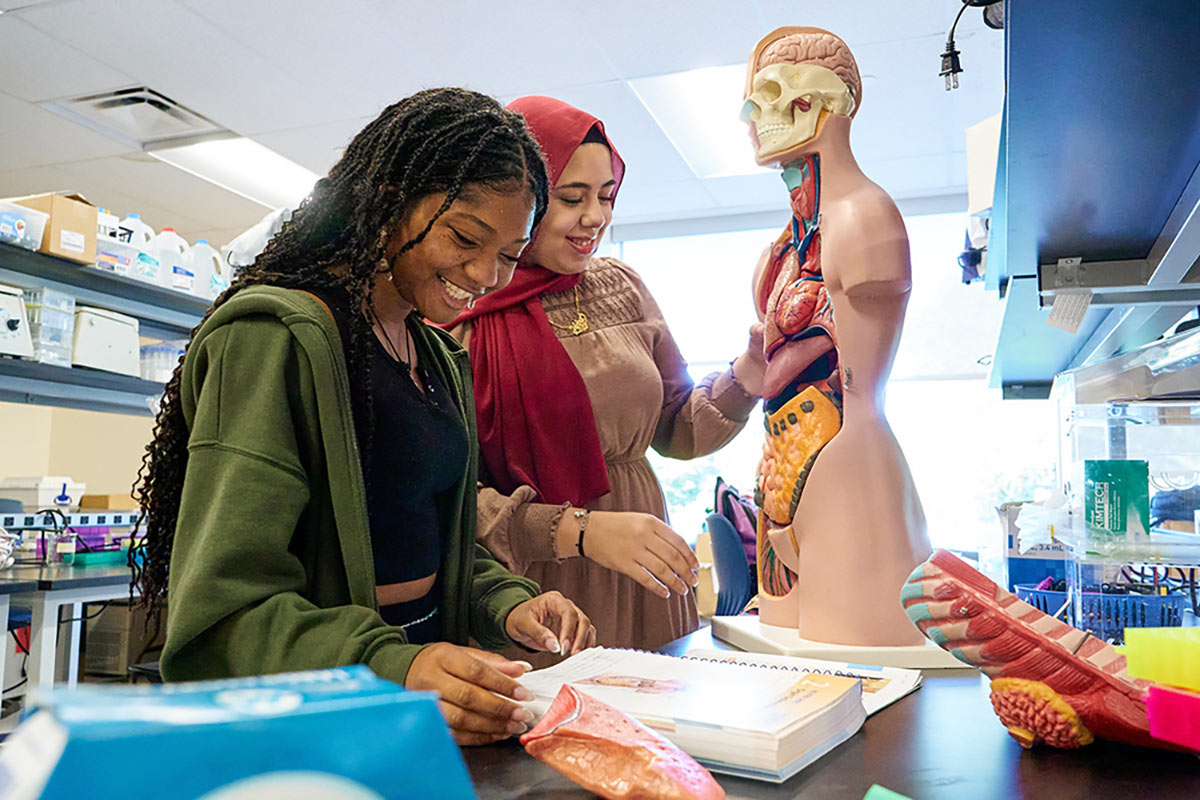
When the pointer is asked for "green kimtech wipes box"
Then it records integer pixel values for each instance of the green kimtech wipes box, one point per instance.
(1117, 497)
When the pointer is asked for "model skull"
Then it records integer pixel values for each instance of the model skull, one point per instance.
(786, 101)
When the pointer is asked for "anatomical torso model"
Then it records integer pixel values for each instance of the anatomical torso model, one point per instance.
(842, 526)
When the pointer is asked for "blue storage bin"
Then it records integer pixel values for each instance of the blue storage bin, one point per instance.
(1107, 615)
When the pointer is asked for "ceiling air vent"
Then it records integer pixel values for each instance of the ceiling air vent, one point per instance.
(137, 116)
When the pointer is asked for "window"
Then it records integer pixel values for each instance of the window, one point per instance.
(968, 449)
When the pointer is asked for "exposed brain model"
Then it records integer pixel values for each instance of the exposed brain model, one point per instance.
(841, 524)
(816, 48)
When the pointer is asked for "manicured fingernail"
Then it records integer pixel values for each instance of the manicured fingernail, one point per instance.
(522, 715)
(524, 664)
(523, 694)
(517, 727)
(552, 645)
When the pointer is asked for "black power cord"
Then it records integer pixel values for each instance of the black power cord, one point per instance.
(951, 64)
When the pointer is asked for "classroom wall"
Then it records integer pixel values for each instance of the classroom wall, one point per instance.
(99, 449)
(25, 440)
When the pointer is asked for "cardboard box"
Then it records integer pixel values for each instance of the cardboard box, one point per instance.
(109, 502)
(71, 230)
(118, 638)
(336, 734)
(983, 153)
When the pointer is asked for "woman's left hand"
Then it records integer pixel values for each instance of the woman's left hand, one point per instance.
(552, 623)
(750, 368)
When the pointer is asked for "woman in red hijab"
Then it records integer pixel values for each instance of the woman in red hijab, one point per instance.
(576, 376)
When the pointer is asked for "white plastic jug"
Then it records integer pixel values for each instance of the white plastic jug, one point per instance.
(144, 264)
(136, 232)
(172, 250)
(212, 276)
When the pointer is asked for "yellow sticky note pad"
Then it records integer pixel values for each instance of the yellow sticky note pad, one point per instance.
(1164, 655)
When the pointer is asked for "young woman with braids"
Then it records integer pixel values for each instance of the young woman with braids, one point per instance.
(571, 500)
(310, 489)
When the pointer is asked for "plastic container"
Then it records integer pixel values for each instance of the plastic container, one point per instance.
(212, 276)
(107, 225)
(135, 232)
(37, 493)
(54, 337)
(158, 361)
(50, 317)
(22, 226)
(1106, 616)
(122, 258)
(52, 326)
(172, 252)
(51, 298)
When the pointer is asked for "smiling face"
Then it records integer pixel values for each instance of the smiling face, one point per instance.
(580, 209)
(472, 248)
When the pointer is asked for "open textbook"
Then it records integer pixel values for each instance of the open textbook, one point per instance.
(734, 718)
(881, 686)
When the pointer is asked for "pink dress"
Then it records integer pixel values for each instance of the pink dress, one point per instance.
(642, 397)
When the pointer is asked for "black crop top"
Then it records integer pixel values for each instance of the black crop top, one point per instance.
(419, 453)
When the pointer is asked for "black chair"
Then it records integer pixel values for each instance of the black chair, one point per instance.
(733, 570)
(145, 671)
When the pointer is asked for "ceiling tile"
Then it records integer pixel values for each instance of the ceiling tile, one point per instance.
(317, 147)
(371, 54)
(648, 154)
(180, 193)
(178, 53)
(886, 21)
(656, 38)
(46, 69)
(658, 200)
(33, 180)
(760, 191)
(32, 136)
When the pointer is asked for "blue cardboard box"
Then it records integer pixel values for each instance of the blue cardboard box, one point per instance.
(337, 734)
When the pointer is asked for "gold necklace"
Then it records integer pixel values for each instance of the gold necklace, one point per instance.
(579, 324)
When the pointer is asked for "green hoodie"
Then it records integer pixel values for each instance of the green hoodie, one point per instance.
(271, 568)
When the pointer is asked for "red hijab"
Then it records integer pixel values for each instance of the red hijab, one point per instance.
(535, 417)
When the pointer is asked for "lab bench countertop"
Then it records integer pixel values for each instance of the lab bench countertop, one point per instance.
(943, 742)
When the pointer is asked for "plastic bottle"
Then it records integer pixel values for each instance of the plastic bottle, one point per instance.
(212, 276)
(172, 251)
(136, 232)
(139, 235)
(106, 224)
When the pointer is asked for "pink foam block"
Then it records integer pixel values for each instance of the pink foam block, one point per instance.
(1174, 716)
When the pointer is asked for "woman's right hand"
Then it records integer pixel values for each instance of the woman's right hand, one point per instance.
(635, 544)
(473, 688)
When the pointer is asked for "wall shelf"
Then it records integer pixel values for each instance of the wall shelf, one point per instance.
(161, 313)
(34, 383)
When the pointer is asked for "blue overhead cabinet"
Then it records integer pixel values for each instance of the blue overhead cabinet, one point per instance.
(1098, 162)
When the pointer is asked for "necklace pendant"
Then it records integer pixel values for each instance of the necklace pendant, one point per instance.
(580, 325)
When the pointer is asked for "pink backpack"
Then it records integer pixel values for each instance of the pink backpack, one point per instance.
(741, 511)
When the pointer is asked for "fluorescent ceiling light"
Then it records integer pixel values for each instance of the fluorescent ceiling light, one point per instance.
(698, 111)
(244, 167)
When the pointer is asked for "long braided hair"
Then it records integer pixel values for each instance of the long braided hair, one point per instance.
(436, 141)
